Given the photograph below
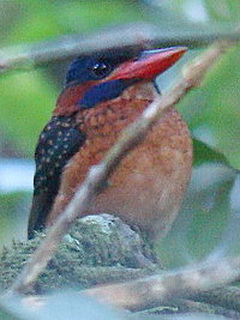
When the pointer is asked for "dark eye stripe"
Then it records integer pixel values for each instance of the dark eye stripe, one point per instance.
(97, 66)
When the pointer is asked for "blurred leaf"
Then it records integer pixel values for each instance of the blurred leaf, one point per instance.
(38, 20)
(226, 10)
(204, 153)
(82, 16)
(230, 242)
(27, 102)
(202, 226)
(206, 224)
(215, 107)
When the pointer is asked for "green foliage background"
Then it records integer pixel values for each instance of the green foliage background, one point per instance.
(212, 111)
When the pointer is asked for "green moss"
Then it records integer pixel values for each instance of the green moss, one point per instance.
(90, 254)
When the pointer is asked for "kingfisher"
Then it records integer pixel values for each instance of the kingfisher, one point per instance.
(103, 93)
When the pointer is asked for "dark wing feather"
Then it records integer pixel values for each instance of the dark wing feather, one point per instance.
(58, 142)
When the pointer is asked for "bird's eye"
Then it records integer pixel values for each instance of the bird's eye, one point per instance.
(101, 69)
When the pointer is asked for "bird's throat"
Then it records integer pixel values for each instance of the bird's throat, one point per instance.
(68, 101)
(110, 117)
(141, 91)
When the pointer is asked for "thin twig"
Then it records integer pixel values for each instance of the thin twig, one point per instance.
(25, 57)
(98, 174)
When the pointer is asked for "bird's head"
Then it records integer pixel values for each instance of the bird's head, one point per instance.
(104, 76)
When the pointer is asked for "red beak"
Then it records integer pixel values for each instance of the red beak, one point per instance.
(150, 64)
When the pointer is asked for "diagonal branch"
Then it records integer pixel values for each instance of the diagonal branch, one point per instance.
(193, 75)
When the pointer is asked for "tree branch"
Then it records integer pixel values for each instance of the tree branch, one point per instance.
(150, 291)
(25, 57)
(193, 75)
(167, 287)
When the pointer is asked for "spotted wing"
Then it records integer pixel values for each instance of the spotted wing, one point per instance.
(58, 142)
